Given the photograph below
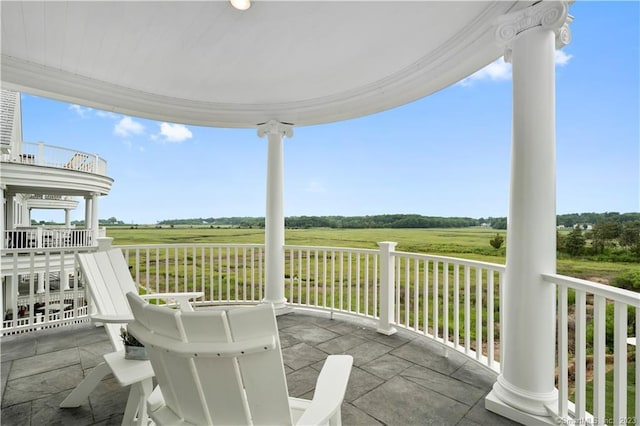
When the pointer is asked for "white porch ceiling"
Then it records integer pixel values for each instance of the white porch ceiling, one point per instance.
(206, 63)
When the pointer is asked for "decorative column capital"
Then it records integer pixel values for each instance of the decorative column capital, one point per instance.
(273, 127)
(552, 15)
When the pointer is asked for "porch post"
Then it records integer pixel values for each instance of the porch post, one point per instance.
(87, 212)
(67, 218)
(3, 215)
(387, 288)
(94, 219)
(10, 211)
(274, 218)
(525, 389)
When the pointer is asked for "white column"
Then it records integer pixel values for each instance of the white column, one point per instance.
(274, 217)
(526, 385)
(87, 212)
(26, 213)
(40, 288)
(67, 218)
(3, 216)
(94, 219)
(10, 211)
(387, 289)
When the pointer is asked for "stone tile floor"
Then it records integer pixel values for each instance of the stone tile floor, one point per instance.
(396, 380)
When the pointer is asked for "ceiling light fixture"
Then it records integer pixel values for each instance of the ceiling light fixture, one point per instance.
(241, 4)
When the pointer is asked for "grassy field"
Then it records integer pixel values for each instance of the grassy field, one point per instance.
(468, 243)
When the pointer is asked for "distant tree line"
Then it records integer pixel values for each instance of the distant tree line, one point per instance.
(400, 221)
(619, 241)
(350, 222)
(572, 219)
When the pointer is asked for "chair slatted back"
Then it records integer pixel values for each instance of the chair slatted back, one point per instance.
(105, 291)
(262, 373)
(120, 268)
(206, 389)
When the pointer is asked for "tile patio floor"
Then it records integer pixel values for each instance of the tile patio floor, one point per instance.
(396, 380)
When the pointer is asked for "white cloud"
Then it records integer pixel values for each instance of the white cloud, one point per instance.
(499, 70)
(82, 112)
(106, 114)
(562, 58)
(173, 133)
(127, 126)
(315, 187)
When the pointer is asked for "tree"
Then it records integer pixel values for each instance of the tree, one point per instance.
(630, 235)
(574, 242)
(500, 223)
(496, 242)
(604, 233)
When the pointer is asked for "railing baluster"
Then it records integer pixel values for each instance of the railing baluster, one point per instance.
(490, 319)
(599, 360)
(315, 279)
(435, 294)
(620, 363)
(324, 278)
(340, 283)
(398, 287)
(426, 296)
(228, 269)
(357, 283)
(308, 276)
(220, 274)
(636, 360)
(478, 313)
(416, 295)
(456, 306)
(366, 285)
(333, 280)
(235, 264)
(406, 305)
(349, 281)
(580, 358)
(563, 353)
(445, 302)
(45, 280)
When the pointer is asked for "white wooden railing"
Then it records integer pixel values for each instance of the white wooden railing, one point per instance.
(30, 275)
(607, 313)
(54, 156)
(455, 302)
(43, 237)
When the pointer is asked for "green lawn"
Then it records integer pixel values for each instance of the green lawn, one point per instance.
(468, 243)
(631, 394)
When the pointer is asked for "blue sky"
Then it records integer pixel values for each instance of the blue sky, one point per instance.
(445, 155)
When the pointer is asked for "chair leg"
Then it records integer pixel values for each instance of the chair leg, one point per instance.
(137, 404)
(86, 386)
(336, 419)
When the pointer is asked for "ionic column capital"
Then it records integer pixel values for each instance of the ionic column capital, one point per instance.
(273, 127)
(552, 15)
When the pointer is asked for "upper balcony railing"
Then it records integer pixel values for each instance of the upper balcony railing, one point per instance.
(51, 197)
(49, 236)
(54, 156)
(455, 302)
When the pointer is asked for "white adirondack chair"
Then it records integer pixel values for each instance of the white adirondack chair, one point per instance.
(225, 367)
(108, 279)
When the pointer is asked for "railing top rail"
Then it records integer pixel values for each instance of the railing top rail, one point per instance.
(618, 294)
(41, 250)
(60, 148)
(186, 245)
(327, 248)
(467, 262)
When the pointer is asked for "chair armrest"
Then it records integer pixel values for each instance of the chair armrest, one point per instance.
(182, 298)
(330, 389)
(112, 319)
